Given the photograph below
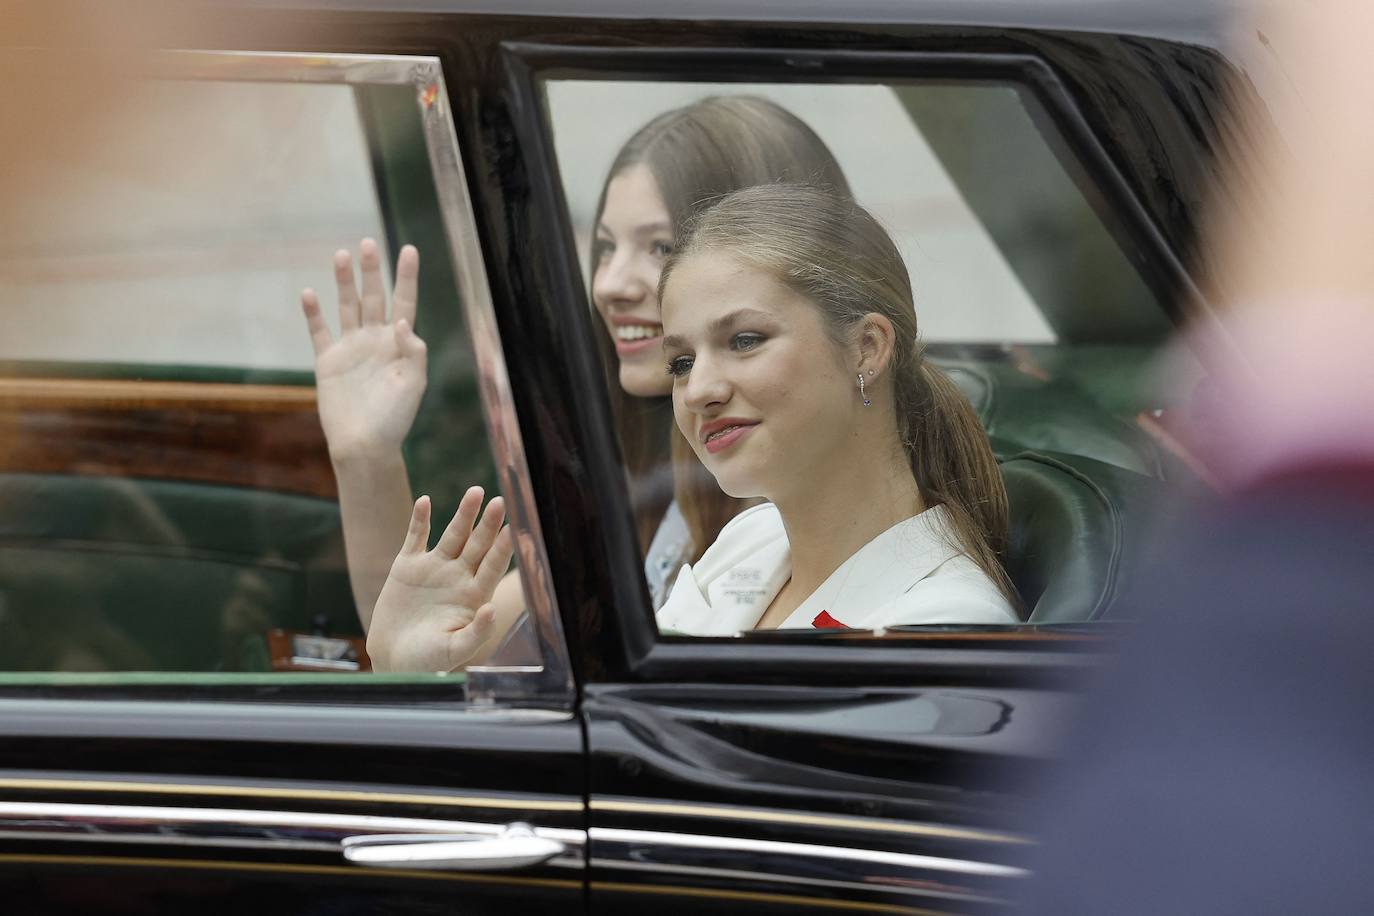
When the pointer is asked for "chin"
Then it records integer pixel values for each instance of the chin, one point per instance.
(645, 381)
(739, 486)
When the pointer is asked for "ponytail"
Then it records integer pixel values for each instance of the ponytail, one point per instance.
(954, 466)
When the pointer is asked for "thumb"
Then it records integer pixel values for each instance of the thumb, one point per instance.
(483, 621)
(465, 643)
(408, 342)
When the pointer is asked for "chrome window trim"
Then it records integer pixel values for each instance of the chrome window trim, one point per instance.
(240, 828)
(415, 725)
(553, 682)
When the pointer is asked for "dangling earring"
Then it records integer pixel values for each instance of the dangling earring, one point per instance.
(862, 393)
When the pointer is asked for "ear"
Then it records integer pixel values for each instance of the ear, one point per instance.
(875, 342)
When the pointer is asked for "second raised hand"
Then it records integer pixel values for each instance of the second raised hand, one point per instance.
(435, 612)
(369, 381)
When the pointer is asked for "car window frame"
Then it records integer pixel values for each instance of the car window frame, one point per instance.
(632, 649)
(544, 687)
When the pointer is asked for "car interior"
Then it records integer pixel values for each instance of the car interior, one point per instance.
(118, 557)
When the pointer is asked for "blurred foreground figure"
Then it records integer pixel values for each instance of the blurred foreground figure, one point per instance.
(1224, 766)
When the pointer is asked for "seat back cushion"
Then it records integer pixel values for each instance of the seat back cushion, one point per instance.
(109, 574)
(1074, 524)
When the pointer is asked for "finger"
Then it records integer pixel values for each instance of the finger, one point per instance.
(417, 536)
(484, 534)
(465, 642)
(348, 289)
(410, 345)
(374, 293)
(406, 293)
(460, 527)
(497, 560)
(320, 338)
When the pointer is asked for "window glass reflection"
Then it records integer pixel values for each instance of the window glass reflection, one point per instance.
(1037, 335)
(168, 500)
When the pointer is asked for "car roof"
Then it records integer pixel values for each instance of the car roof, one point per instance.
(1193, 21)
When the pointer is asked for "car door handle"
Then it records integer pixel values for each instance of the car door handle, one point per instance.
(515, 847)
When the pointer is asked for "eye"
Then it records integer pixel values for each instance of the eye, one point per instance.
(661, 248)
(602, 249)
(746, 340)
(679, 366)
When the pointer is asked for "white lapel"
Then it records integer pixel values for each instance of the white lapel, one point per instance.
(735, 581)
(883, 570)
(740, 575)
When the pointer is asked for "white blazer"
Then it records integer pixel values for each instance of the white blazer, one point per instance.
(911, 573)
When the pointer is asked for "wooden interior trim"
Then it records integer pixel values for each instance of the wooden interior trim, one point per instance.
(265, 437)
(133, 394)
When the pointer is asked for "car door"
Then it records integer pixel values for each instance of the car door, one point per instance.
(187, 719)
(846, 770)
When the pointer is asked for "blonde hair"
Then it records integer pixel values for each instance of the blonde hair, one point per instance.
(833, 252)
(697, 154)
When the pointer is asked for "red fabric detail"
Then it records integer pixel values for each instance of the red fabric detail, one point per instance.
(824, 621)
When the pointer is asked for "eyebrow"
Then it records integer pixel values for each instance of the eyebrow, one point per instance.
(718, 326)
(646, 229)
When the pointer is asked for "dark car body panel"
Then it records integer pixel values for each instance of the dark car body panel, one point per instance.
(144, 763)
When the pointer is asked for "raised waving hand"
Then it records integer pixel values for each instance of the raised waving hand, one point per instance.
(370, 380)
(368, 384)
(435, 611)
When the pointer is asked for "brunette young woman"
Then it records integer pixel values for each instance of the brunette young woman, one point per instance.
(370, 380)
(798, 377)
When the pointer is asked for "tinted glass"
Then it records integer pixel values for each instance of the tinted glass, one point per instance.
(1030, 300)
(169, 500)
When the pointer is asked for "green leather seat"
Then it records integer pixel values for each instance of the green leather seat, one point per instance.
(1053, 415)
(101, 573)
(1075, 525)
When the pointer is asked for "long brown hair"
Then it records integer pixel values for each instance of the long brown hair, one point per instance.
(697, 154)
(831, 251)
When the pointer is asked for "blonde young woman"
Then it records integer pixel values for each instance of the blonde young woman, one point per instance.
(798, 377)
(370, 379)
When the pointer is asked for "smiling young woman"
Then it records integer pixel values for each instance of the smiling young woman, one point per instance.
(671, 169)
(370, 380)
(798, 377)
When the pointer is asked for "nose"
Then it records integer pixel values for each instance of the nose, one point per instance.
(618, 281)
(707, 388)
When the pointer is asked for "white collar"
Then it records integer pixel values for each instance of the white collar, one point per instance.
(739, 576)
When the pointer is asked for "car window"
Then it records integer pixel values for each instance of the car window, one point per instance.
(1031, 300)
(972, 292)
(170, 501)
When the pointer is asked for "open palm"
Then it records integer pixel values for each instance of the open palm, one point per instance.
(435, 612)
(370, 380)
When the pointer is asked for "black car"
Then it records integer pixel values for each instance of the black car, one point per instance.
(186, 722)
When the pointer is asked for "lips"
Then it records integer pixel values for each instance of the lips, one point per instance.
(718, 435)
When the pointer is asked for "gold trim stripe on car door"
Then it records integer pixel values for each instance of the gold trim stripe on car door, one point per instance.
(223, 791)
